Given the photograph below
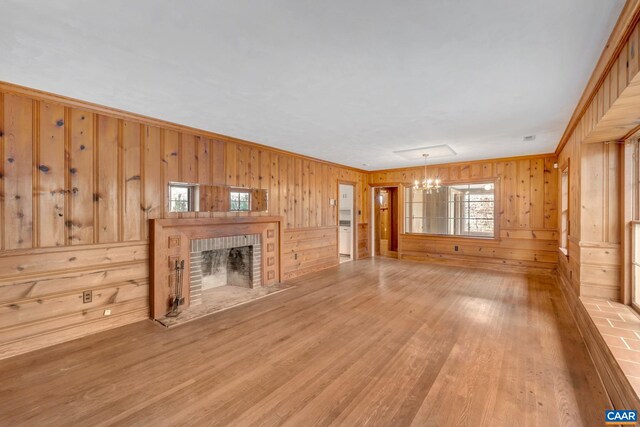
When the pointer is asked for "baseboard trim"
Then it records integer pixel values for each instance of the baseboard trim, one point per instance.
(482, 263)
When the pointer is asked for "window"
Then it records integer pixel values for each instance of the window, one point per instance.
(182, 197)
(631, 212)
(564, 212)
(240, 200)
(455, 210)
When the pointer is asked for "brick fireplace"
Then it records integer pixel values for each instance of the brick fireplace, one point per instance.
(222, 261)
(236, 251)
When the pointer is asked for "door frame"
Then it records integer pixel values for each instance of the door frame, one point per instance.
(399, 187)
(354, 226)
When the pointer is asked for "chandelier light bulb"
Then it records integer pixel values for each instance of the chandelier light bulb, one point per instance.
(426, 183)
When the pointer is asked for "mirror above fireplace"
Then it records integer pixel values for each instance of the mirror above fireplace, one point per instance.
(189, 197)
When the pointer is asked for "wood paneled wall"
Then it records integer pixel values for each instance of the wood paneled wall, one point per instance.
(80, 183)
(592, 147)
(527, 209)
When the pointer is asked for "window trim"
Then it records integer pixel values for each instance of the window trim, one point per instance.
(193, 200)
(497, 191)
(240, 190)
(565, 249)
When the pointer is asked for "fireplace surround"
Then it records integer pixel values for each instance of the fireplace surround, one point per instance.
(172, 240)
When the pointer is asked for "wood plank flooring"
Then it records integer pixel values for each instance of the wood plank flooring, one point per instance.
(371, 342)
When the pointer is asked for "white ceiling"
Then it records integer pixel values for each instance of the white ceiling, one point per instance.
(347, 81)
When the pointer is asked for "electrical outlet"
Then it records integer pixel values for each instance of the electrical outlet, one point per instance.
(107, 312)
(87, 297)
(455, 248)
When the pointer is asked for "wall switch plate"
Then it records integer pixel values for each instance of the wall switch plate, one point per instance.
(455, 248)
(107, 312)
(332, 202)
(87, 297)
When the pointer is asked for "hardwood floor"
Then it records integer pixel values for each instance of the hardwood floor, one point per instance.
(376, 342)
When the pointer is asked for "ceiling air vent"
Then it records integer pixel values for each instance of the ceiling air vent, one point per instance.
(529, 138)
(433, 151)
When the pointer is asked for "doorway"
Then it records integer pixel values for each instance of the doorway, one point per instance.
(385, 223)
(346, 223)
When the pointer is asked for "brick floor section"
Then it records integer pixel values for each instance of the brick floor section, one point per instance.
(620, 327)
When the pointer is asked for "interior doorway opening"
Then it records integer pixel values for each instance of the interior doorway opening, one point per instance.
(346, 222)
(385, 223)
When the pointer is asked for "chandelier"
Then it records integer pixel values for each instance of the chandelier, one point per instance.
(427, 184)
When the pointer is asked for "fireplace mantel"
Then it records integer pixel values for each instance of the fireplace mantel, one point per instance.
(170, 241)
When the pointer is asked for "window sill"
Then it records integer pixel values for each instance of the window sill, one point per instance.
(619, 326)
(448, 236)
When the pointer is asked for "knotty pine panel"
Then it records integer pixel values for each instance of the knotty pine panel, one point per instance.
(152, 175)
(132, 209)
(51, 175)
(82, 213)
(109, 185)
(18, 171)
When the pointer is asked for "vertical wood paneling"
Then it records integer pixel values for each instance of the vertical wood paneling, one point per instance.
(108, 183)
(170, 166)
(632, 53)
(171, 157)
(305, 190)
(324, 198)
(188, 159)
(319, 202)
(231, 164)
(509, 196)
(537, 209)
(52, 173)
(523, 195)
(284, 195)
(333, 193)
(592, 214)
(274, 183)
(613, 194)
(613, 83)
(81, 222)
(18, 180)
(264, 177)
(203, 159)
(152, 178)
(297, 185)
(253, 168)
(550, 197)
(243, 159)
(622, 72)
(132, 223)
(218, 166)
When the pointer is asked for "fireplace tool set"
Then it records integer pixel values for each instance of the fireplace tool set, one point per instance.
(177, 300)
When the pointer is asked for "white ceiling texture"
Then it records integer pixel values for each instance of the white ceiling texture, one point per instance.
(349, 81)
